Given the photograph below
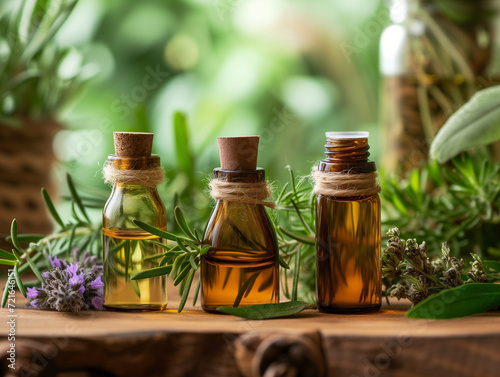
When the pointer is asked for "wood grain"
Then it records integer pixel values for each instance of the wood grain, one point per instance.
(195, 343)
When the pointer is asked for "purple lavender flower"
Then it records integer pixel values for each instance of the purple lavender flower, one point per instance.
(32, 293)
(97, 284)
(70, 287)
(55, 262)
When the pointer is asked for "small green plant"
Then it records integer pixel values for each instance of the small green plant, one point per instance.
(38, 77)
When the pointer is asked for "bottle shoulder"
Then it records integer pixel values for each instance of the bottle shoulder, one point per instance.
(240, 226)
(129, 203)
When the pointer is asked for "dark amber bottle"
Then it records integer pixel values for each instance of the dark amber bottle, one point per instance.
(126, 247)
(348, 232)
(241, 266)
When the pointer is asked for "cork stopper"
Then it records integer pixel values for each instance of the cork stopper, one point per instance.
(133, 144)
(238, 153)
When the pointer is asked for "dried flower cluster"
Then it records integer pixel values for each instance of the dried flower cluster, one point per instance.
(409, 273)
(70, 287)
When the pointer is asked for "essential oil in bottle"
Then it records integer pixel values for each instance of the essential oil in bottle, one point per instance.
(134, 173)
(241, 266)
(348, 228)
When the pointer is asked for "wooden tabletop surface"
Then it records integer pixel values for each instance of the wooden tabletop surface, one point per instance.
(193, 343)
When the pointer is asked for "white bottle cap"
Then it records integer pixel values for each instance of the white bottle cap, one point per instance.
(348, 135)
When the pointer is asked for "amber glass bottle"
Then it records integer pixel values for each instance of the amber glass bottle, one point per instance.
(125, 246)
(241, 266)
(348, 233)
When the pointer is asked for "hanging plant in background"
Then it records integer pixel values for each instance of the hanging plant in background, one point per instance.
(433, 59)
(38, 80)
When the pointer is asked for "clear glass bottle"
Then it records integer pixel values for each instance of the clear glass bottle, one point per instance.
(348, 243)
(433, 58)
(125, 246)
(241, 266)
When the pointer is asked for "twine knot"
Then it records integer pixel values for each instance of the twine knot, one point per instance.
(241, 192)
(345, 184)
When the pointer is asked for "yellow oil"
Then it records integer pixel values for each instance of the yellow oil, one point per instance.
(125, 254)
(348, 254)
(236, 278)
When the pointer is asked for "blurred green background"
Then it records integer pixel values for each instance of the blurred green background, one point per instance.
(284, 70)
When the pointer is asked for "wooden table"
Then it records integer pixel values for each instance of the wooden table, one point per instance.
(195, 343)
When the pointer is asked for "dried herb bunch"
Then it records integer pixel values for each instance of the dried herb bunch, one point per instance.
(409, 273)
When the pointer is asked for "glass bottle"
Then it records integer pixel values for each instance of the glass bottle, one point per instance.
(433, 58)
(126, 247)
(348, 243)
(241, 266)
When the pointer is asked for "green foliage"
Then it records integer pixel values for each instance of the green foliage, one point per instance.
(477, 123)
(458, 302)
(38, 77)
(459, 202)
(181, 258)
(77, 232)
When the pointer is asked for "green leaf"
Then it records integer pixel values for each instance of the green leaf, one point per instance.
(458, 302)
(155, 231)
(13, 236)
(6, 255)
(34, 268)
(52, 208)
(197, 292)
(20, 284)
(303, 239)
(181, 135)
(153, 272)
(8, 262)
(27, 237)
(283, 263)
(267, 311)
(76, 198)
(5, 295)
(194, 265)
(476, 123)
(181, 221)
(185, 293)
(493, 265)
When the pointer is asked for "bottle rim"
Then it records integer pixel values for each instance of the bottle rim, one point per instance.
(347, 135)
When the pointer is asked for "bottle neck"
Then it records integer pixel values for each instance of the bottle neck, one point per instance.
(347, 155)
(243, 176)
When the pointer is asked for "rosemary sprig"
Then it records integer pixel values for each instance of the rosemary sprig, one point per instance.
(78, 232)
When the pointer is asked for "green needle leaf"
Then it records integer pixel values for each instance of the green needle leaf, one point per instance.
(6, 290)
(303, 239)
(181, 221)
(185, 293)
(76, 197)
(13, 236)
(34, 268)
(6, 255)
(8, 262)
(153, 272)
(458, 302)
(283, 263)
(267, 311)
(19, 281)
(155, 231)
(52, 208)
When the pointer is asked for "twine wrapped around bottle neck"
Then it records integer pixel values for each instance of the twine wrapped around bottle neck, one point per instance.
(345, 184)
(150, 177)
(241, 192)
